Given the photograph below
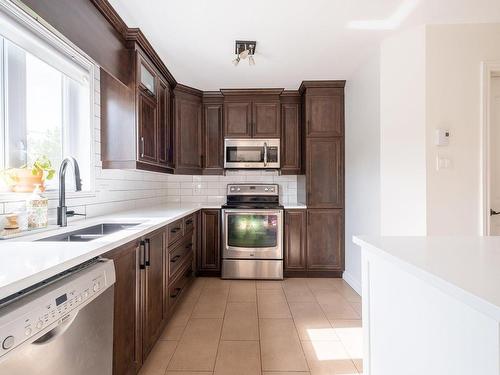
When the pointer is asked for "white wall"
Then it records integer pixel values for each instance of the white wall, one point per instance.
(362, 162)
(453, 58)
(402, 134)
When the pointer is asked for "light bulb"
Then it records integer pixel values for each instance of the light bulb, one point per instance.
(244, 54)
(251, 60)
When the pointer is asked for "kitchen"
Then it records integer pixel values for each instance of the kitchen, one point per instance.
(158, 218)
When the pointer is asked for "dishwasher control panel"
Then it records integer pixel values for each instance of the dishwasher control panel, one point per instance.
(32, 316)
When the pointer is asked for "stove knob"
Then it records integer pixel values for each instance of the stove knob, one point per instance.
(266, 189)
(96, 287)
(238, 189)
(8, 342)
(27, 332)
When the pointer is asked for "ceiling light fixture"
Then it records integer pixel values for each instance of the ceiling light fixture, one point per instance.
(244, 49)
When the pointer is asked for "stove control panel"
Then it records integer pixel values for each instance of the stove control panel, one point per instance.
(253, 189)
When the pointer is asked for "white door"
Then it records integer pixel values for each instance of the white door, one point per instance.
(495, 157)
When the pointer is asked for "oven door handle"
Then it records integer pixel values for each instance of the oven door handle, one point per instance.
(265, 154)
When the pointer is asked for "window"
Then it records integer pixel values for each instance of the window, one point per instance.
(46, 99)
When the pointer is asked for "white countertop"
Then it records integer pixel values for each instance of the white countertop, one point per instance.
(467, 268)
(24, 263)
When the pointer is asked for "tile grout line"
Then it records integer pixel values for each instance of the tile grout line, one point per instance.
(221, 329)
(330, 322)
(184, 329)
(296, 330)
(258, 327)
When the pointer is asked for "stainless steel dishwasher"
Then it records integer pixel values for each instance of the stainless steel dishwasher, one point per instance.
(63, 327)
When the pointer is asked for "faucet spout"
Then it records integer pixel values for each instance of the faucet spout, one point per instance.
(62, 214)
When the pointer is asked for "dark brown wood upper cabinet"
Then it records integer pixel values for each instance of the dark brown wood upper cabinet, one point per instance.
(154, 289)
(213, 139)
(164, 124)
(188, 131)
(295, 241)
(325, 172)
(325, 232)
(291, 142)
(127, 336)
(252, 113)
(324, 112)
(266, 119)
(208, 257)
(238, 119)
(148, 128)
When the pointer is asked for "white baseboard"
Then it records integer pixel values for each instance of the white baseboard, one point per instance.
(355, 284)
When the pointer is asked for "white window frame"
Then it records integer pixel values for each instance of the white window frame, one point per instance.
(28, 19)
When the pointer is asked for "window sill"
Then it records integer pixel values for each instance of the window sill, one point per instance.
(6, 197)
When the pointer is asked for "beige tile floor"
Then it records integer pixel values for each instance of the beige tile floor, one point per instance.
(290, 327)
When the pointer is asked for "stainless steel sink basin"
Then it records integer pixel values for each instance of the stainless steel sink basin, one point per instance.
(90, 233)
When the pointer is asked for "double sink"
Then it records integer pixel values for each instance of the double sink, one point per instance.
(90, 233)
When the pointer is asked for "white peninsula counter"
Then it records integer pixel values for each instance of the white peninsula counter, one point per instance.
(431, 305)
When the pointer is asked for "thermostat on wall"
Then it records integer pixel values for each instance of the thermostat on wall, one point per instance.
(442, 137)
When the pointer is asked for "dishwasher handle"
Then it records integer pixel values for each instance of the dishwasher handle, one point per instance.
(62, 326)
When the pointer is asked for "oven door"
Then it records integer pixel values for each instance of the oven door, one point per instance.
(251, 153)
(252, 234)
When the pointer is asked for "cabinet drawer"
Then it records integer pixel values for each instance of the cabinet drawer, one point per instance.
(175, 231)
(176, 288)
(188, 223)
(177, 256)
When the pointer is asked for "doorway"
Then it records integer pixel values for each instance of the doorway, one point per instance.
(490, 196)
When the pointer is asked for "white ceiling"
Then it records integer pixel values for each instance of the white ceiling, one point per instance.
(296, 39)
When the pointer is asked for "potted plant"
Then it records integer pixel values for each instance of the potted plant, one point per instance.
(24, 179)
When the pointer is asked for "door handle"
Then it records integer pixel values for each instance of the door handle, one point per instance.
(141, 255)
(174, 259)
(265, 154)
(493, 212)
(147, 252)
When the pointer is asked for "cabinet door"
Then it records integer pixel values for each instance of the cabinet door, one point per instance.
(295, 240)
(325, 113)
(237, 119)
(266, 119)
(213, 139)
(154, 290)
(325, 174)
(127, 342)
(148, 128)
(325, 230)
(209, 252)
(188, 134)
(290, 139)
(164, 124)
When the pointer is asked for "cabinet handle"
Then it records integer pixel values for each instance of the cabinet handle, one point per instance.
(177, 291)
(142, 147)
(190, 246)
(174, 259)
(141, 255)
(265, 154)
(188, 222)
(147, 253)
(175, 230)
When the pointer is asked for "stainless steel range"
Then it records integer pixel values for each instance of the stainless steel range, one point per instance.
(252, 232)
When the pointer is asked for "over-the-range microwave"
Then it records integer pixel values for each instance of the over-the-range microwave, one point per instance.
(251, 153)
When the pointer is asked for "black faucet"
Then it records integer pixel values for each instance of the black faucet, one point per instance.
(62, 212)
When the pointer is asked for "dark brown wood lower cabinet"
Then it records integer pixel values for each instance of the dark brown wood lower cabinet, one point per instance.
(127, 340)
(208, 259)
(325, 241)
(154, 286)
(295, 241)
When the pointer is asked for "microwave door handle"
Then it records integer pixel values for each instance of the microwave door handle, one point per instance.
(265, 154)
